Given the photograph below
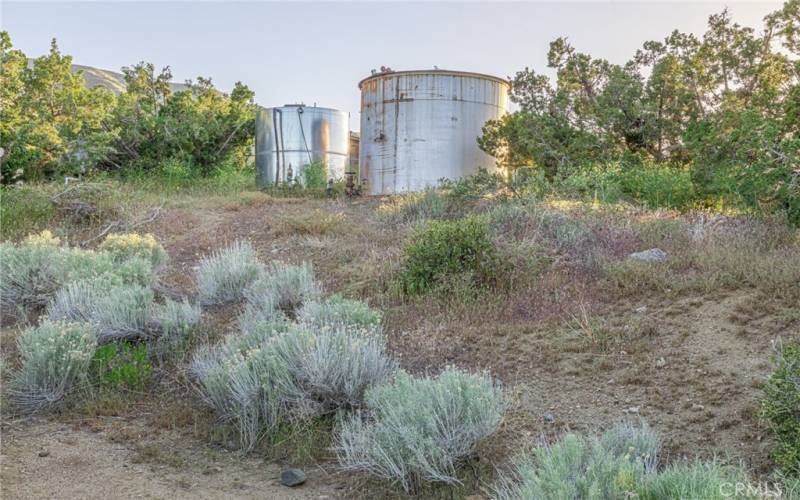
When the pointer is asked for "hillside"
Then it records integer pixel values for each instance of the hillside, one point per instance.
(113, 81)
(580, 336)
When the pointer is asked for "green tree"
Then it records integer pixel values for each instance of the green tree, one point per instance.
(200, 127)
(726, 105)
(50, 122)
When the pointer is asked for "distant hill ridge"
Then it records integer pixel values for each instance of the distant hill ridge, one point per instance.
(113, 81)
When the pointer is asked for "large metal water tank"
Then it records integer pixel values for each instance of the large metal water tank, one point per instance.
(418, 127)
(290, 137)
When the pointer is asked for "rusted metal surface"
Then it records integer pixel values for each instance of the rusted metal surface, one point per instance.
(418, 127)
(355, 139)
(290, 137)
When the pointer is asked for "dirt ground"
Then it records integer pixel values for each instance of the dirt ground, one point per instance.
(691, 369)
(43, 459)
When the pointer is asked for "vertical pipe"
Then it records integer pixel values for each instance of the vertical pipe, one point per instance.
(275, 112)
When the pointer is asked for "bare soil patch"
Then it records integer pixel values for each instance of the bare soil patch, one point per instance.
(45, 459)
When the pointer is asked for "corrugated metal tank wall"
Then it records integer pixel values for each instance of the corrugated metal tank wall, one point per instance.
(290, 137)
(418, 127)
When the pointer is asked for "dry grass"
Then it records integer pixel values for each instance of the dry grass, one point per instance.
(315, 222)
(156, 453)
(733, 255)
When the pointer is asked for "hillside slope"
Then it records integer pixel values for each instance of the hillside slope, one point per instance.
(112, 80)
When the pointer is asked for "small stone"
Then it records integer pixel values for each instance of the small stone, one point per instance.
(549, 418)
(652, 255)
(212, 470)
(661, 362)
(293, 477)
(640, 310)
(697, 407)
(632, 409)
(44, 453)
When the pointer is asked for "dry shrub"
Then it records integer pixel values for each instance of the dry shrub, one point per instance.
(113, 312)
(632, 277)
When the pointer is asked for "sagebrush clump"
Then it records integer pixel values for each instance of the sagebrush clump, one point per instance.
(124, 246)
(621, 463)
(781, 408)
(55, 358)
(224, 275)
(336, 310)
(697, 479)
(274, 370)
(611, 466)
(284, 287)
(101, 310)
(256, 382)
(113, 312)
(32, 271)
(175, 322)
(333, 369)
(418, 430)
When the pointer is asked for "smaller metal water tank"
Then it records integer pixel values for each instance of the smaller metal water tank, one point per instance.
(290, 137)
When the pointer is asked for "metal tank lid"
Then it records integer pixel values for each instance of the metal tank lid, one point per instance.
(435, 71)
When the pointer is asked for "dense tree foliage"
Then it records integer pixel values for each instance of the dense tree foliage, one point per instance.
(50, 120)
(51, 123)
(725, 105)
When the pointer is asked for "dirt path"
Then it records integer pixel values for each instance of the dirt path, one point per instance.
(43, 459)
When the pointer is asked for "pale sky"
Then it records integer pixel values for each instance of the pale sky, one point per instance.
(317, 52)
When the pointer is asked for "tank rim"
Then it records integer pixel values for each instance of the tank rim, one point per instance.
(435, 72)
(304, 106)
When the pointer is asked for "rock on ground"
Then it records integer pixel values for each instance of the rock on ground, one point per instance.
(652, 255)
(293, 477)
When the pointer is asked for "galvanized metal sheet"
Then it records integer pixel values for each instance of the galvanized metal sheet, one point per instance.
(418, 127)
(290, 137)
